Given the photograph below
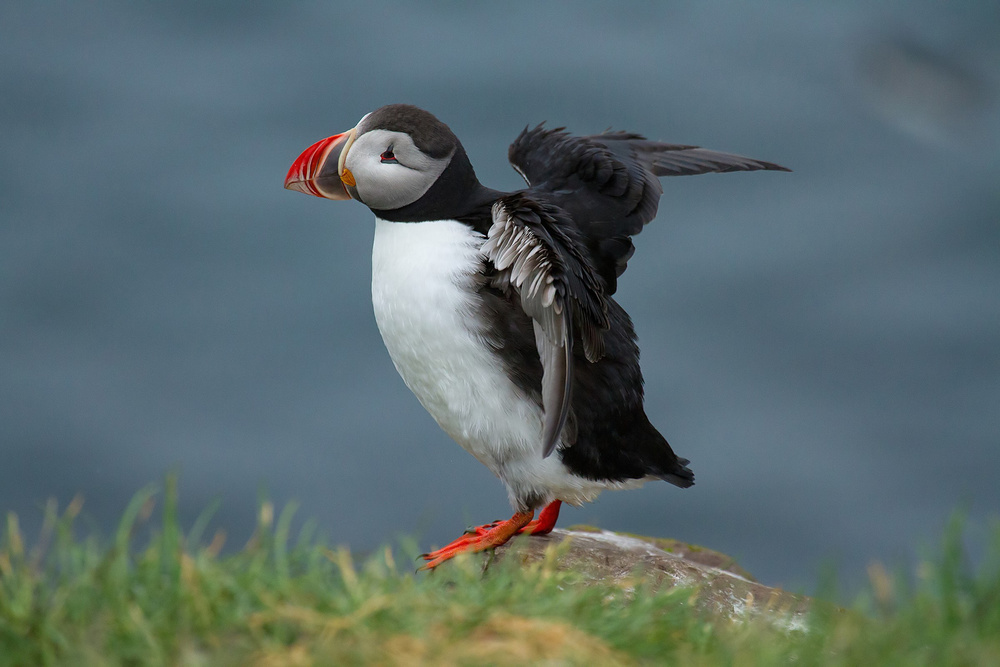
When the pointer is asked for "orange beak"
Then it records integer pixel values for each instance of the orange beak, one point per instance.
(320, 170)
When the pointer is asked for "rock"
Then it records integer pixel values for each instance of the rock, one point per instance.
(722, 588)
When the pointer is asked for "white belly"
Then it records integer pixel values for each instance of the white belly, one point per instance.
(425, 304)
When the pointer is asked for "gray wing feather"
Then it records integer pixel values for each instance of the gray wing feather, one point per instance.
(692, 161)
(557, 360)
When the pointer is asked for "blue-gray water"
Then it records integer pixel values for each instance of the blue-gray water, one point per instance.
(823, 345)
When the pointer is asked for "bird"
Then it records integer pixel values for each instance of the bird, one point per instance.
(497, 308)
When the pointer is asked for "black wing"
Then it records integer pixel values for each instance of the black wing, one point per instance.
(609, 184)
(537, 252)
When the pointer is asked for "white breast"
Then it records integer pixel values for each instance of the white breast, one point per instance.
(425, 307)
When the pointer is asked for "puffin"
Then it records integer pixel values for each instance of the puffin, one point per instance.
(497, 308)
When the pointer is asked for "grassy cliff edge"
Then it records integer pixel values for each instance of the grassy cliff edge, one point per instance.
(174, 599)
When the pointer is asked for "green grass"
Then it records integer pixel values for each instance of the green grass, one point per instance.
(173, 599)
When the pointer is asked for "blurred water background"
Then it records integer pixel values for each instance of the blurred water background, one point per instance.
(823, 345)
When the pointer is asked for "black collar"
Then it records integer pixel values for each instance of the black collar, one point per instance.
(456, 195)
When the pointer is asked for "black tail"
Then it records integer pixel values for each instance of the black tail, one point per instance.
(680, 476)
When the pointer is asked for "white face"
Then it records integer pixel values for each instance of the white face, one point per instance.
(389, 170)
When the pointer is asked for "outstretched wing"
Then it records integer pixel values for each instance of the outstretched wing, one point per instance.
(537, 253)
(609, 184)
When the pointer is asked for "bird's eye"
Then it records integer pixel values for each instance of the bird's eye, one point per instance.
(389, 156)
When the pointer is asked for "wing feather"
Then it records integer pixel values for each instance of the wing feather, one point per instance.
(536, 251)
(609, 184)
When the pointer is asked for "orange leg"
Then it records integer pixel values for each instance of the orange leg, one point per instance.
(546, 520)
(482, 538)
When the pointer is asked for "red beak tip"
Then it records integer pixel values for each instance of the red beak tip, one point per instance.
(307, 167)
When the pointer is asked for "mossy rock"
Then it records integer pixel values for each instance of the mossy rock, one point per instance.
(720, 586)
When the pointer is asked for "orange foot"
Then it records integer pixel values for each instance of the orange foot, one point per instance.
(492, 535)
